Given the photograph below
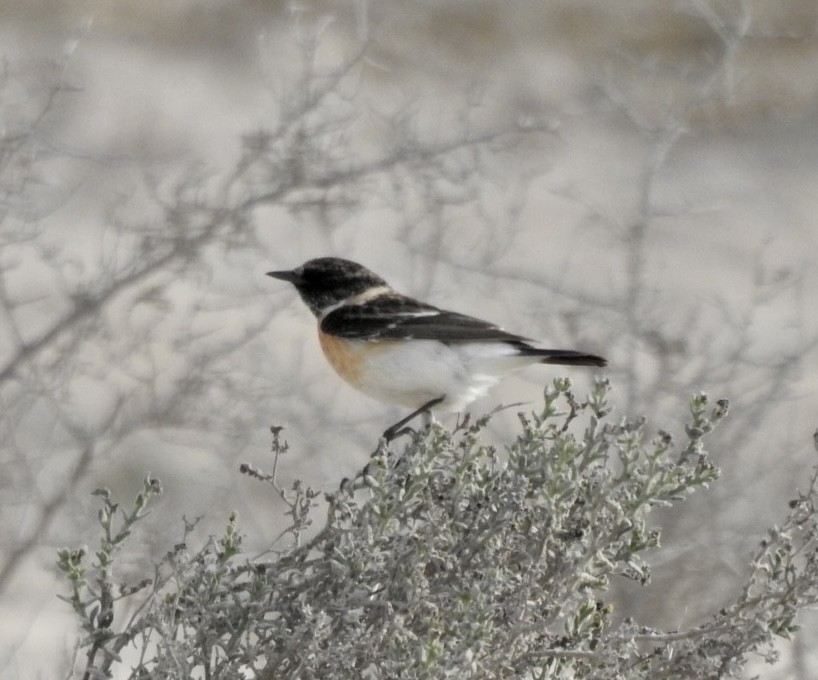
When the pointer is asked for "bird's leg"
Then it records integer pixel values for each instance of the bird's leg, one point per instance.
(391, 433)
(397, 429)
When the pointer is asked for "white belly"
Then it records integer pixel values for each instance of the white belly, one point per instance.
(415, 372)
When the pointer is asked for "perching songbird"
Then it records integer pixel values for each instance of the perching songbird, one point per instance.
(403, 351)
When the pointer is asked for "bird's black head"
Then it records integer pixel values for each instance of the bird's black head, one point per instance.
(329, 281)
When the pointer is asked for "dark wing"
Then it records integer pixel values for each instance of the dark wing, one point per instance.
(396, 317)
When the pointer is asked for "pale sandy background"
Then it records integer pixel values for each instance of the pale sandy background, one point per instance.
(667, 219)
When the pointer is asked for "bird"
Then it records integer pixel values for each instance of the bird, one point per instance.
(402, 351)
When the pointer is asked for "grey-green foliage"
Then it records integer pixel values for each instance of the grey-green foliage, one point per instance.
(453, 559)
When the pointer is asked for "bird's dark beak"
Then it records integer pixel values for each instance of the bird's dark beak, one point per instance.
(293, 276)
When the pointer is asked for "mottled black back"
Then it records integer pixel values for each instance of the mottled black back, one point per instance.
(392, 316)
(397, 317)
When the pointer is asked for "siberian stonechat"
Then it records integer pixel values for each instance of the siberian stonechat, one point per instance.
(403, 351)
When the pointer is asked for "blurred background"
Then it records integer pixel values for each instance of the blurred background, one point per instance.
(635, 179)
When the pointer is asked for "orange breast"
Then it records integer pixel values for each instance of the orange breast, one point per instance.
(344, 356)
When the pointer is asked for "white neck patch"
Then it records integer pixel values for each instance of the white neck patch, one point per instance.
(359, 299)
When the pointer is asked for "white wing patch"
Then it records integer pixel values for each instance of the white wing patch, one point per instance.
(425, 312)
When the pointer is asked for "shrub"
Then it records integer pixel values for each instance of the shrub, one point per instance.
(451, 558)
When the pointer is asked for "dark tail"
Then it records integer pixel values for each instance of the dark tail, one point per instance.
(565, 357)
